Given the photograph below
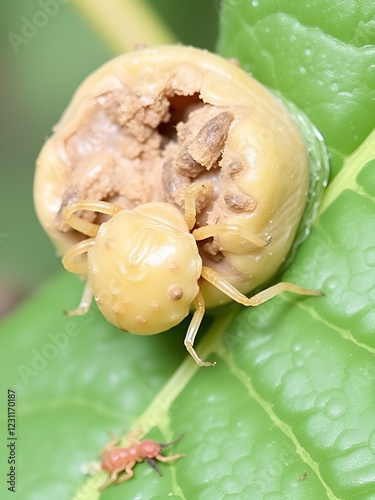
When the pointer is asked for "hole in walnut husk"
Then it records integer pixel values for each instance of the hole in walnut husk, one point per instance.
(133, 149)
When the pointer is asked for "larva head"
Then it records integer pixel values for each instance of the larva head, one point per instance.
(144, 268)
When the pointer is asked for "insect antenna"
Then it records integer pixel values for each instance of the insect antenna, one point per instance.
(165, 445)
(154, 465)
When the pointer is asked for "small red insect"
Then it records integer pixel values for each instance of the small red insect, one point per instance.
(117, 459)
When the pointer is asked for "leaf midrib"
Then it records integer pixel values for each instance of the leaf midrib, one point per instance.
(345, 334)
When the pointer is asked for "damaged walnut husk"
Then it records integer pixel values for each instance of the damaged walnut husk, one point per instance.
(149, 124)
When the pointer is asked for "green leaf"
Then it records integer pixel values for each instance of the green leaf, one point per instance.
(321, 55)
(287, 412)
(288, 407)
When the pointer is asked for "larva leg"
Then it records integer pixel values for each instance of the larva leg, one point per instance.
(84, 226)
(222, 228)
(225, 287)
(129, 472)
(111, 480)
(77, 267)
(190, 209)
(69, 261)
(193, 330)
(85, 303)
(162, 458)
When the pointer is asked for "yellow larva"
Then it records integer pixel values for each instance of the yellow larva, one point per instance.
(201, 175)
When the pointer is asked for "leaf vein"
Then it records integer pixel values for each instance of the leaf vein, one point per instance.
(283, 426)
(157, 413)
(341, 331)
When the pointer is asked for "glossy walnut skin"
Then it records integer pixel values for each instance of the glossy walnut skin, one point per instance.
(263, 158)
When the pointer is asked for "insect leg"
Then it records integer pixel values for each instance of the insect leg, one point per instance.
(224, 286)
(77, 267)
(222, 228)
(111, 480)
(84, 226)
(193, 330)
(191, 193)
(129, 472)
(162, 458)
(68, 260)
(85, 303)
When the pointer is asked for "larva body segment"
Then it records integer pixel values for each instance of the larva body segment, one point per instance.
(152, 269)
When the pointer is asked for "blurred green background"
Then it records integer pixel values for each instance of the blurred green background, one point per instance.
(38, 77)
